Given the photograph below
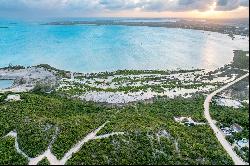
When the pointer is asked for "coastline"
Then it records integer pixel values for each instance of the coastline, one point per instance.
(230, 30)
(122, 97)
(122, 86)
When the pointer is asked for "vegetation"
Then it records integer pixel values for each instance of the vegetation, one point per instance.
(39, 113)
(3, 96)
(77, 88)
(142, 122)
(8, 154)
(227, 116)
(243, 153)
(13, 67)
(43, 88)
(44, 162)
(134, 72)
(241, 60)
(59, 73)
(36, 116)
(114, 82)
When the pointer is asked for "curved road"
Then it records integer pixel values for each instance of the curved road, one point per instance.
(237, 160)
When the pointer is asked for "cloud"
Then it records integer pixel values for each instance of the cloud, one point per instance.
(177, 5)
(173, 5)
(34, 8)
(228, 5)
(66, 7)
(48, 4)
(119, 4)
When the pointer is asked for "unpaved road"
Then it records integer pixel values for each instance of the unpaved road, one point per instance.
(51, 157)
(237, 160)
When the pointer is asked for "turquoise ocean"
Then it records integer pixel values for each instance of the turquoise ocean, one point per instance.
(90, 48)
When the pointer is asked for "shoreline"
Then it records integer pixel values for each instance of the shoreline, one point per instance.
(120, 87)
(125, 86)
(230, 30)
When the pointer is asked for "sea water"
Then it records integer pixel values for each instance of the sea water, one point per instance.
(90, 48)
(5, 84)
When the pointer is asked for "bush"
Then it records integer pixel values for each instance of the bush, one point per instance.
(42, 88)
(15, 67)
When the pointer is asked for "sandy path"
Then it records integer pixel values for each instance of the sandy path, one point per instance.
(237, 160)
(51, 157)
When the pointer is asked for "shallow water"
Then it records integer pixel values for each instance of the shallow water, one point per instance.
(107, 48)
(5, 84)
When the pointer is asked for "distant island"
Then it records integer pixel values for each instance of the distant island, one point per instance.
(211, 26)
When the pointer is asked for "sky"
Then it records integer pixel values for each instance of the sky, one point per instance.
(125, 8)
